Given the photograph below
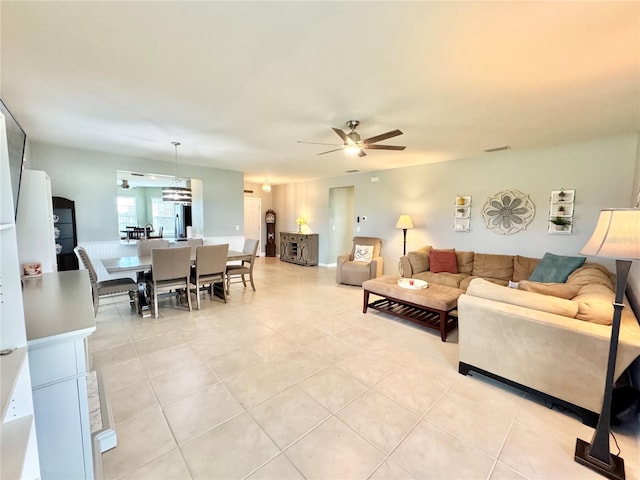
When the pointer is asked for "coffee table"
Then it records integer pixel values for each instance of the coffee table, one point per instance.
(432, 307)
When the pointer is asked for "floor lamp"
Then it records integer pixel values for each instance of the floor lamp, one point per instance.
(404, 222)
(617, 236)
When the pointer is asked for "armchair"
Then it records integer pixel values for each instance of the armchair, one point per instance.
(352, 271)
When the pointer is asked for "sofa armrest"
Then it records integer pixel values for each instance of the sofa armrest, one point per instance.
(377, 267)
(405, 267)
(339, 263)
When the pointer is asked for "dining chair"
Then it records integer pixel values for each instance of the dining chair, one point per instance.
(170, 267)
(145, 246)
(106, 287)
(210, 269)
(238, 271)
(194, 242)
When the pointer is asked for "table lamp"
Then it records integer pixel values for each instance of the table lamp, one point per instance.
(300, 221)
(404, 222)
(617, 236)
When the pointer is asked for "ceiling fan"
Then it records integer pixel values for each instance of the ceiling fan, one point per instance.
(354, 143)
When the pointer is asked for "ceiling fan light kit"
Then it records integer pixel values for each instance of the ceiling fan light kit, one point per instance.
(353, 143)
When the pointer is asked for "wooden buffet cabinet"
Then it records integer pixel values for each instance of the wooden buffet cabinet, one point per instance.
(300, 248)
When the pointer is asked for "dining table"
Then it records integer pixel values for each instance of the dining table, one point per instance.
(142, 264)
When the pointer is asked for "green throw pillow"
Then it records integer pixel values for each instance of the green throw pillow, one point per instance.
(555, 268)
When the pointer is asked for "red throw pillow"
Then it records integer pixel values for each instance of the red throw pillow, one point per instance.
(443, 261)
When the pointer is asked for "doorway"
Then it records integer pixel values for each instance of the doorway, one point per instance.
(341, 215)
(253, 219)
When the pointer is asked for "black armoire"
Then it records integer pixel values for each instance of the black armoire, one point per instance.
(64, 221)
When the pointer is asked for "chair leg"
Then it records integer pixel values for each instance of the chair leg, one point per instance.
(224, 292)
(198, 293)
(251, 280)
(189, 295)
(244, 282)
(155, 300)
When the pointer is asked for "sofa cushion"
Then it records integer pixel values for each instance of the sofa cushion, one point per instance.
(488, 265)
(443, 261)
(555, 268)
(523, 266)
(363, 253)
(591, 273)
(536, 301)
(560, 290)
(465, 262)
(595, 304)
(444, 278)
(464, 283)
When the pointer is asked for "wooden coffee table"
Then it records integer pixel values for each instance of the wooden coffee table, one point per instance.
(432, 307)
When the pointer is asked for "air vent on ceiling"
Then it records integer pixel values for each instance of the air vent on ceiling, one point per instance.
(352, 171)
(497, 148)
(137, 174)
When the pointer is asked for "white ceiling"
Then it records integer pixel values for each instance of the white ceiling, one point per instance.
(239, 83)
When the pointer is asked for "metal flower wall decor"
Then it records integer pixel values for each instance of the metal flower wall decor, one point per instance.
(508, 212)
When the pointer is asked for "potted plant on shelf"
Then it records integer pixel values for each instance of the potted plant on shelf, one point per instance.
(460, 212)
(561, 210)
(560, 223)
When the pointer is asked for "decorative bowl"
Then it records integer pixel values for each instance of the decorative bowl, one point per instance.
(412, 283)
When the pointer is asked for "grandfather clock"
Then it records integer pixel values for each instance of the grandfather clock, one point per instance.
(270, 219)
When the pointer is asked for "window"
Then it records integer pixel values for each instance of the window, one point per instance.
(163, 217)
(127, 213)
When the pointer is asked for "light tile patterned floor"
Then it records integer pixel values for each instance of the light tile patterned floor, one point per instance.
(293, 381)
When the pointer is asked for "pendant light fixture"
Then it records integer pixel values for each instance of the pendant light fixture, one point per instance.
(266, 186)
(176, 192)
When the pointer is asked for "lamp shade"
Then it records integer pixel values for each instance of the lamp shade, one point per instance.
(617, 235)
(404, 222)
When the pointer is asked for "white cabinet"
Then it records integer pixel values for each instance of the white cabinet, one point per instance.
(34, 222)
(18, 446)
(59, 318)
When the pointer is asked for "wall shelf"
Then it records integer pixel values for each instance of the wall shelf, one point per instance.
(462, 213)
(561, 206)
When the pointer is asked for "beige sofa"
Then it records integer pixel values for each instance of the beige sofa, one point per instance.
(548, 339)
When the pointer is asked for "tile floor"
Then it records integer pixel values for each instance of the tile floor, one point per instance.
(293, 381)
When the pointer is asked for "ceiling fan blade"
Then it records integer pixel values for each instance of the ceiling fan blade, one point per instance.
(361, 153)
(319, 143)
(329, 151)
(342, 135)
(385, 147)
(382, 136)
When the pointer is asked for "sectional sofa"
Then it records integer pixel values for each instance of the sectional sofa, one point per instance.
(542, 325)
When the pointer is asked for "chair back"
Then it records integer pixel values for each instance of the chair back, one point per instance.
(194, 242)
(211, 259)
(374, 241)
(250, 246)
(145, 246)
(170, 263)
(84, 259)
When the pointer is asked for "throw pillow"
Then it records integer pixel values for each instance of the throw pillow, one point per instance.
(443, 261)
(555, 268)
(560, 290)
(419, 261)
(363, 253)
